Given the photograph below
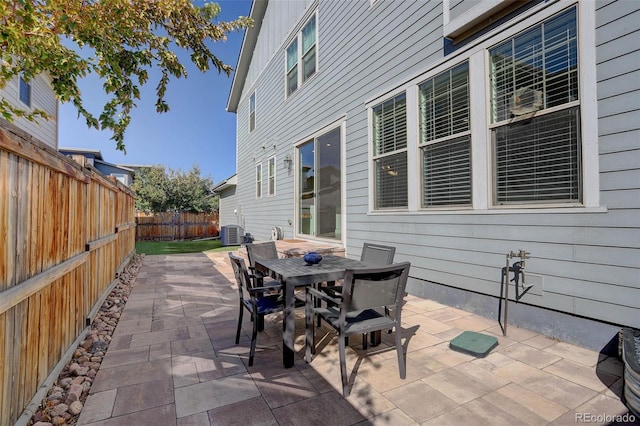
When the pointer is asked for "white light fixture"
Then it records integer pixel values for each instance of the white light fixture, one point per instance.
(287, 161)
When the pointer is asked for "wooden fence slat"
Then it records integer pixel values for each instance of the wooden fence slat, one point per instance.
(176, 226)
(17, 294)
(51, 212)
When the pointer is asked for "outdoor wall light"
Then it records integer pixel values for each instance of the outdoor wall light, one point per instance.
(287, 161)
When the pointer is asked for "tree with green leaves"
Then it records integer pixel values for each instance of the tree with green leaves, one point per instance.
(124, 39)
(165, 190)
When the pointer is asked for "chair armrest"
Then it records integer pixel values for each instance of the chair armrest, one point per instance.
(275, 286)
(323, 296)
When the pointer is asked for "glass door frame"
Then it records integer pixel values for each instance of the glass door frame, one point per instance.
(341, 125)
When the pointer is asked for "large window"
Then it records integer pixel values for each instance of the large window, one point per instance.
(252, 112)
(535, 114)
(445, 138)
(320, 186)
(258, 180)
(301, 63)
(390, 153)
(271, 172)
(25, 91)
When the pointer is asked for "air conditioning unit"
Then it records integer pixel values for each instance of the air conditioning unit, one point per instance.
(277, 233)
(231, 235)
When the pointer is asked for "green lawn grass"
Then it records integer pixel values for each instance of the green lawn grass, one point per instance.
(175, 247)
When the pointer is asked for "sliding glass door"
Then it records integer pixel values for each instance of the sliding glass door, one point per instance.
(319, 190)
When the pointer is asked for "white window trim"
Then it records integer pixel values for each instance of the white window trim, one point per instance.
(340, 122)
(411, 99)
(258, 177)
(269, 176)
(477, 53)
(299, 65)
(255, 107)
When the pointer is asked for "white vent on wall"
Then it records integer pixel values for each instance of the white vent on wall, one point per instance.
(277, 233)
(526, 101)
(231, 235)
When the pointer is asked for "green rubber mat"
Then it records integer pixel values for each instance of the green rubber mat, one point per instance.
(473, 343)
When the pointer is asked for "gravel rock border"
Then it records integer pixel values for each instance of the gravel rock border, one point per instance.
(65, 399)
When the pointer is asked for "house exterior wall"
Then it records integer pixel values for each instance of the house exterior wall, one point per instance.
(123, 175)
(585, 260)
(42, 97)
(227, 207)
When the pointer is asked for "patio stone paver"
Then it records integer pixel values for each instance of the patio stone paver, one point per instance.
(131, 374)
(327, 408)
(527, 406)
(143, 396)
(254, 411)
(213, 394)
(173, 360)
(420, 401)
(119, 357)
(477, 412)
(530, 355)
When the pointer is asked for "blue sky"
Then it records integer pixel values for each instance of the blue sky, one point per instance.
(197, 129)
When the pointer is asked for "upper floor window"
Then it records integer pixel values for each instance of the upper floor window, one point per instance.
(390, 153)
(535, 114)
(252, 112)
(25, 91)
(271, 172)
(258, 180)
(445, 138)
(301, 63)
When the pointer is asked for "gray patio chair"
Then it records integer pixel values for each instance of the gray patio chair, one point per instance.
(260, 251)
(366, 291)
(266, 251)
(258, 300)
(375, 254)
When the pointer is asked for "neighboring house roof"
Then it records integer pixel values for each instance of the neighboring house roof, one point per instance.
(135, 167)
(258, 9)
(106, 168)
(93, 153)
(226, 184)
(117, 166)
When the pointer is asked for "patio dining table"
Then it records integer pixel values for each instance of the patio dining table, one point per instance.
(294, 272)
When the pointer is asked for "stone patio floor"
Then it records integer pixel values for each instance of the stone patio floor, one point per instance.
(173, 361)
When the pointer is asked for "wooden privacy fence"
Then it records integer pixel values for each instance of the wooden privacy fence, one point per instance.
(175, 226)
(66, 232)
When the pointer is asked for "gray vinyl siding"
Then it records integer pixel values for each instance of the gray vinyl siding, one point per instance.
(228, 202)
(584, 263)
(42, 97)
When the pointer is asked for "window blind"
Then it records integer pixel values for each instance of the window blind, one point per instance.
(389, 144)
(539, 159)
(390, 125)
(544, 60)
(444, 112)
(444, 104)
(391, 181)
(446, 168)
